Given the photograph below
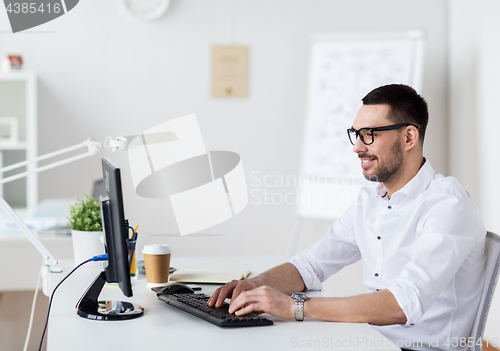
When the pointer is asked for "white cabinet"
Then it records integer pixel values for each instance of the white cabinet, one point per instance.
(18, 106)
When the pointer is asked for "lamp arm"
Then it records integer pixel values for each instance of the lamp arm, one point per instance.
(44, 168)
(92, 146)
(49, 260)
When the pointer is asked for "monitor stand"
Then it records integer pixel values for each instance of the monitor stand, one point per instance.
(89, 306)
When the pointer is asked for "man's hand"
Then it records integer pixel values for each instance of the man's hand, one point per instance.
(263, 299)
(230, 290)
(246, 297)
(267, 292)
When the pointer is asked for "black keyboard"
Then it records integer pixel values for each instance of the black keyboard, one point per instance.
(196, 304)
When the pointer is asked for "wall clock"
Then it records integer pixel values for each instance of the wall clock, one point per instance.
(147, 10)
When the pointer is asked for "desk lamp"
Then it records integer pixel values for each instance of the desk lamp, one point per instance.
(50, 264)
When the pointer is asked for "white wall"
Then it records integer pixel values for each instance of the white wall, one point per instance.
(101, 72)
(474, 74)
(488, 122)
(464, 32)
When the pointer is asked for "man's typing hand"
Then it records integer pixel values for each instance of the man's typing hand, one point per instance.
(263, 299)
(268, 292)
(230, 290)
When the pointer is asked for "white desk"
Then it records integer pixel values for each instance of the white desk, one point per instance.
(163, 326)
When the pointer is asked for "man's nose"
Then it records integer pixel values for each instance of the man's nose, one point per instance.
(359, 146)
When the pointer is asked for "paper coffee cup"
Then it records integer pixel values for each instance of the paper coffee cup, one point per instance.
(157, 262)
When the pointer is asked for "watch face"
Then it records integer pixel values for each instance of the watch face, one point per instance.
(147, 9)
(299, 295)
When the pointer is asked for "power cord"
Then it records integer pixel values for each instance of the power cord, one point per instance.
(33, 305)
(95, 258)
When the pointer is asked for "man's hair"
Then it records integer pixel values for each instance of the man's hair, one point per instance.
(405, 105)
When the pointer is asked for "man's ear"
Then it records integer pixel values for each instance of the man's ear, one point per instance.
(411, 136)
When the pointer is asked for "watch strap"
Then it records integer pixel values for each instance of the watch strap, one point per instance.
(299, 298)
(299, 310)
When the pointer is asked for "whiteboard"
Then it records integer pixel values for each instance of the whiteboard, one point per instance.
(343, 69)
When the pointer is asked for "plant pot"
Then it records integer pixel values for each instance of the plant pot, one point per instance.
(87, 245)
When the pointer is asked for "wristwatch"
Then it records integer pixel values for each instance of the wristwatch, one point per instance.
(299, 298)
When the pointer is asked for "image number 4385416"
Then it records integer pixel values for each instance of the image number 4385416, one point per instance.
(25, 14)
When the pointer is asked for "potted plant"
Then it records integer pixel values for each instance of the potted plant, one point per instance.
(86, 229)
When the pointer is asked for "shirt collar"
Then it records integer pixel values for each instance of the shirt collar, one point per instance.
(420, 182)
(381, 191)
(415, 186)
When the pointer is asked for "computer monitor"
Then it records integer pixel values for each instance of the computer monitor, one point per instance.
(118, 269)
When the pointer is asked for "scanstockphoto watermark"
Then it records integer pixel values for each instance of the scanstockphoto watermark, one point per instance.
(366, 342)
(351, 342)
(32, 13)
(307, 189)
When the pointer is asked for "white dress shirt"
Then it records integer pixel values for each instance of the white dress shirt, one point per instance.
(425, 244)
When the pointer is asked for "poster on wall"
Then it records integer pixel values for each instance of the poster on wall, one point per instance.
(229, 71)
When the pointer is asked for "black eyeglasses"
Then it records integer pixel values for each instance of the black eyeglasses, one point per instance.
(366, 134)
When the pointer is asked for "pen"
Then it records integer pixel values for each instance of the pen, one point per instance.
(133, 241)
(133, 233)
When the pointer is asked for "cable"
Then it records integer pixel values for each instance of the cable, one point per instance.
(95, 258)
(30, 325)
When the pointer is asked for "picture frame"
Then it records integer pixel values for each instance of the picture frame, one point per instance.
(9, 127)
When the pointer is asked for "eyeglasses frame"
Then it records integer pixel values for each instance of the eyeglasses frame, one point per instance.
(376, 129)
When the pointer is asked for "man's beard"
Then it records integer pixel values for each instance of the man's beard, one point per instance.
(391, 171)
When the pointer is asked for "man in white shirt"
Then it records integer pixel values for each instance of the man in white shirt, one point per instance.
(418, 234)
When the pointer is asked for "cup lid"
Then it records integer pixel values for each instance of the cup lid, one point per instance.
(156, 249)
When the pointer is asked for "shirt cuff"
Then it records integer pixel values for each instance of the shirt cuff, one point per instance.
(306, 271)
(407, 299)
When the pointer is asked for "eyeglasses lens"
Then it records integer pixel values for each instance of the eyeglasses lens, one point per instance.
(352, 136)
(365, 135)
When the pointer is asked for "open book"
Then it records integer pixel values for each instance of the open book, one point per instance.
(208, 275)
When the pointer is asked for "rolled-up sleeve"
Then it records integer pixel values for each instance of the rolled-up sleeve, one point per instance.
(337, 249)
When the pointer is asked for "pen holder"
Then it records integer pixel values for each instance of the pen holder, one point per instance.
(132, 258)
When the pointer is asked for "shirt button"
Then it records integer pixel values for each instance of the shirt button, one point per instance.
(379, 237)
(389, 207)
(376, 274)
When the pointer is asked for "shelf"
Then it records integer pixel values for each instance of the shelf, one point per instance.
(21, 75)
(14, 146)
(18, 98)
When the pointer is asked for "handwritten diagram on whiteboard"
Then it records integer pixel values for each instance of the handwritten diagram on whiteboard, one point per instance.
(343, 69)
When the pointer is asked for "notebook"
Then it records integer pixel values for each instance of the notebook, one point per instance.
(208, 275)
